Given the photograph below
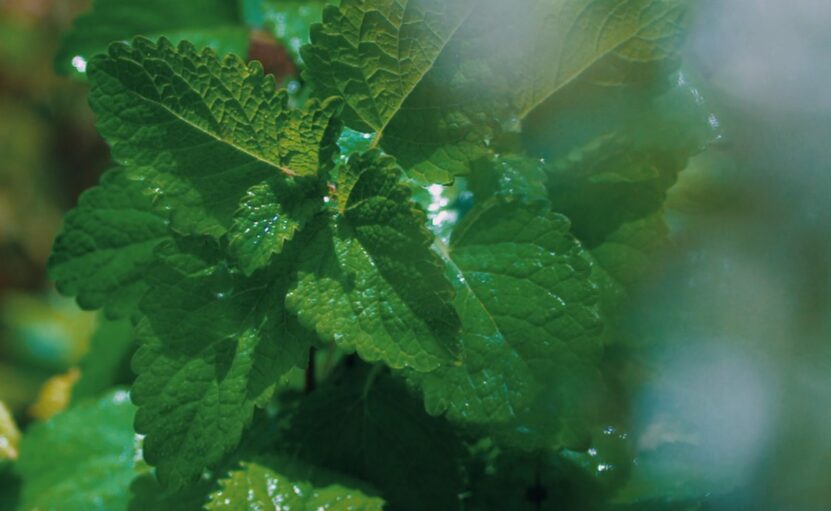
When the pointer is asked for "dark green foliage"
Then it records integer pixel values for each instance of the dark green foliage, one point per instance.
(240, 232)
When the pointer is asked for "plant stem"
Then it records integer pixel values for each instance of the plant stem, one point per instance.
(310, 372)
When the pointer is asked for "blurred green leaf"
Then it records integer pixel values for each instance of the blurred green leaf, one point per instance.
(613, 154)
(81, 459)
(204, 23)
(49, 333)
(107, 361)
(629, 253)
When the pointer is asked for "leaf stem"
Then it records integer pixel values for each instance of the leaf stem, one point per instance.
(311, 382)
(376, 139)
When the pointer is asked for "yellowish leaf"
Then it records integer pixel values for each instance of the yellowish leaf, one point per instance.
(54, 395)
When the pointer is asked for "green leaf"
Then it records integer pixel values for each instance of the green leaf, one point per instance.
(531, 328)
(201, 131)
(436, 80)
(213, 23)
(213, 344)
(107, 360)
(375, 53)
(257, 486)
(510, 176)
(368, 278)
(606, 42)
(359, 49)
(147, 493)
(614, 153)
(81, 459)
(626, 258)
(365, 423)
(628, 254)
(106, 245)
(269, 215)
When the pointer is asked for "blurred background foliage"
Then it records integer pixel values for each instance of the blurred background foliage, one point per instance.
(729, 367)
(50, 153)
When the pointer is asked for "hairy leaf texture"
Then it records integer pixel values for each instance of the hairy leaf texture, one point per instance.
(368, 279)
(531, 328)
(270, 214)
(211, 23)
(107, 244)
(436, 80)
(213, 344)
(200, 131)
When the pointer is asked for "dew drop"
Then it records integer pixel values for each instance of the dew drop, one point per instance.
(79, 63)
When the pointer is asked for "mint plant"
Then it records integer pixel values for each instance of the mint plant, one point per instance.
(438, 228)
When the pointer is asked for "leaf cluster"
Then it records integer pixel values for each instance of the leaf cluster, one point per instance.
(454, 207)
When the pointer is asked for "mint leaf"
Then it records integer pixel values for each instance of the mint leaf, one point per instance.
(270, 214)
(538, 138)
(369, 279)
(365, 423)
(147, 493)
(83, 458)
(213, 344)
(606, 42)
(201, 131)
(628, 253)
(359, 49)
(213, 23)
(375, 53)
(106, 245)
(510, 176)
(257, 486)
(613, 154)
(532, 329)
(259, 438)
(435, 80)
